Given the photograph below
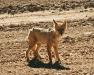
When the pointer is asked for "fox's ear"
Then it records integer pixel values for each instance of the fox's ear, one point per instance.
(64, 24)
(54, 21)
(56, 25)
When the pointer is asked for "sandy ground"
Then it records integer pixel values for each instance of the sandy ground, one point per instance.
(76, 47)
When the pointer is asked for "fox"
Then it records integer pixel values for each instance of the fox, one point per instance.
(38, 36)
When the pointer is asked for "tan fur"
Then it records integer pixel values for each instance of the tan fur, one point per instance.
(38, 36)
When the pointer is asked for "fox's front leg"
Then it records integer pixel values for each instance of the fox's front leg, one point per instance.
(49, 53)
(55, 46)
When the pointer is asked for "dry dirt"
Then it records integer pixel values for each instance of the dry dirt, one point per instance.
(21, 6)
(76, 47)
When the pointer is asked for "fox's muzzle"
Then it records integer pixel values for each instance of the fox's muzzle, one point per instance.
(61, 31)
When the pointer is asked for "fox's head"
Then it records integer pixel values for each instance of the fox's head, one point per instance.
(60, 27)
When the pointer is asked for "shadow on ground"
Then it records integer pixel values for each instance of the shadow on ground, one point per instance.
(39, 64)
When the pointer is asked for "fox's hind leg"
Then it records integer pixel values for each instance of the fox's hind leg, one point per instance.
(36, 54)
(32, 46)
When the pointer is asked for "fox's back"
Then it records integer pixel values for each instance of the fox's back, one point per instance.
(40, 34)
